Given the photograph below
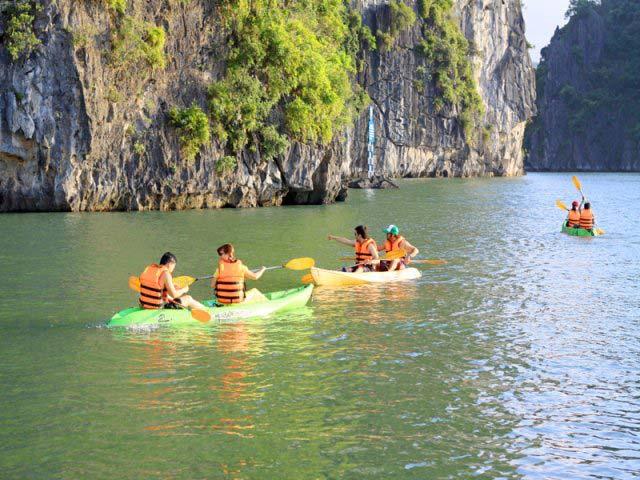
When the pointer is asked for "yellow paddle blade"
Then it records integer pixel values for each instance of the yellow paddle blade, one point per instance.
(308, 278)
(600, 231)
(134, 283)
(576, 182)
(394, 254)
(303, 263)
(561, 205)
(183, 281)
(430, 262)
(201, 315)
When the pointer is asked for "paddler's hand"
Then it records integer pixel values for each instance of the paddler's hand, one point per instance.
(330, 237)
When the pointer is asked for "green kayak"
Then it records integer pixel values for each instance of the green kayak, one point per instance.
(579, 232)
(276, 301)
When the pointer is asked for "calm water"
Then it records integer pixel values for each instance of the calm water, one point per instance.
(518, 359)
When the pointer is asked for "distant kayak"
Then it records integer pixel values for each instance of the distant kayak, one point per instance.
(335, 278)
(579, 232)
(275, 302)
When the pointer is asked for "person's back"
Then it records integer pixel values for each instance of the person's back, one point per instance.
(157, 289)
(573, 220)
(586, 217)
(229, 280)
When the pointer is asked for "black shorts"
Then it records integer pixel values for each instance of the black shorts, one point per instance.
(172, 305)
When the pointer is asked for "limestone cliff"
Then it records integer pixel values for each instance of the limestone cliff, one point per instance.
(78, 134)
(588, 106)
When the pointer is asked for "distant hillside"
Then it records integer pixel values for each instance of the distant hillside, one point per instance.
(588, 82)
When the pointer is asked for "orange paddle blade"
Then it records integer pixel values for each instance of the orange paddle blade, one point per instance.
(201, 315)
(134, 283)
(307, 279)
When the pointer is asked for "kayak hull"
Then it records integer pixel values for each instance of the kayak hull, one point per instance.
(334, 278)
(276, 302)
(579, 232)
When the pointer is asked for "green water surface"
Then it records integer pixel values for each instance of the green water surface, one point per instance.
(518, 359)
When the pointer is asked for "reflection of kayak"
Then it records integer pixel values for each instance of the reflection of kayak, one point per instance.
(579, 232)
(275, 302)
(336, 278)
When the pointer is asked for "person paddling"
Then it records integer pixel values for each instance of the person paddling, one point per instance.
(158, 291)
(395, 242)
(366, 250)
(587, 219)
(573, 219)
(228, 281)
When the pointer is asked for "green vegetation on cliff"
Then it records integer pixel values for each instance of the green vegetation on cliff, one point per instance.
(447, 52)
(19, 37)
(289, 68)
(612, 84)
(193, 125)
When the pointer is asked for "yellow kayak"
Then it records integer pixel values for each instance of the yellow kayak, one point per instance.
(334, 278)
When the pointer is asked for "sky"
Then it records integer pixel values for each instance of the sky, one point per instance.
(541, 18)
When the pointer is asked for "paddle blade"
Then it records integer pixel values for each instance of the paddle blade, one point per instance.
(303, 263)
(576, 182)
(430, 262)
(183, 281)
(561, 205)
(201, 315)
(134, 283)
(395, 254)
(600, 231)
(307, 279)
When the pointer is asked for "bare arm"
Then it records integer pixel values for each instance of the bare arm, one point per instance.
(344, 241)
(254, 276)
(373, 250)
(410, 249)
(171, 289)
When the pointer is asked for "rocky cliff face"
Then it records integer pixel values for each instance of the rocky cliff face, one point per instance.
(77, 134)
(588, 117)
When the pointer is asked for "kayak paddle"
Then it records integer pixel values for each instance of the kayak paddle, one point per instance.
(429, 261)
(561, 205)
(577, 184)
(302, 263)
(200, 315)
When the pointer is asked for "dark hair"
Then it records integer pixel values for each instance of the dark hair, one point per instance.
(362, 231)
(168, 257)
(226, 248)
(587, 205)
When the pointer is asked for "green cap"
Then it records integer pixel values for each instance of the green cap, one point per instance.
(392, 229)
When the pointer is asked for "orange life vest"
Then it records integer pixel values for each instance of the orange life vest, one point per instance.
(574, 219)
(229, 284)
(390, 247)
(586, 219)
(362, 250)
(152, 294)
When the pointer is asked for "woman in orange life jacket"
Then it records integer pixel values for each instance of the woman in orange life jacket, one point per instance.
(366, 249)
(397, 242)
(587, 219)
(228, 281)
(573, 219)
(157, 289)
